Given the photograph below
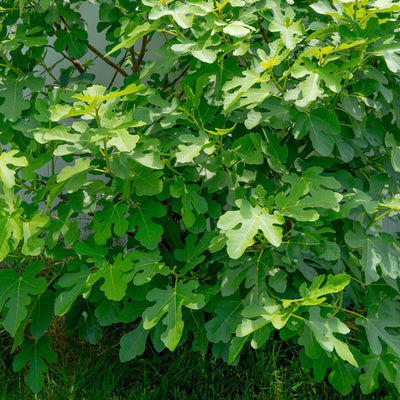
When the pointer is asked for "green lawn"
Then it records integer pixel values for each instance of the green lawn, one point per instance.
(91, 372)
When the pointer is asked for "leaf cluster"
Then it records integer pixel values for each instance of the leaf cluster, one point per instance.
(244, 180)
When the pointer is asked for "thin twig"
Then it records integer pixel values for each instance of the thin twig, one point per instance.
(145, 41)
(106, 60)
(116, 72)
(264, 35)
(177, 79)
(97, 52)
(133, 58)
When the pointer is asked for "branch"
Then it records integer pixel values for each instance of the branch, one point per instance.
(136, 63)
(77, 64)
(135, 66)
(97, 52)
(179, 77)
(116, 72)
(105, 59)
(262, 32)
(143, 49)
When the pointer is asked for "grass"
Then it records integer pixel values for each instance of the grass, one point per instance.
(87, 372)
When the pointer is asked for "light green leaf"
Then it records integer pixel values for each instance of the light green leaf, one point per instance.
(311, 87)
(10, 234)
(206, 55)
(221, 131)
(146, 266)
(324, 7)
(324, 329)
(96, 94)
(315, 294)
(168, 305)
(183, 13)
(298, 205)
(192, 147)
(60, 132)
(116, 277)
(251, 219)
(60, 111)
(138, 32)
(241, 85)
(148, 154)
(237, 29)
(257, 317)
(7, 174)
(82, 165)
(75, 176)
(130, 89)
(283, 22)
(64, 225)
(122, 140)
(392, 58)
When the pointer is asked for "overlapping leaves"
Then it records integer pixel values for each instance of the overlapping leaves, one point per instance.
(243, 182)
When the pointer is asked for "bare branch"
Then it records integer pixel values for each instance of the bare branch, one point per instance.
(106, 60)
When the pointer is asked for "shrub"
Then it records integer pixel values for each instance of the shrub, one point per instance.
(241, 180)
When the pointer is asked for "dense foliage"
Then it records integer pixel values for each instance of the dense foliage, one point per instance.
(240, 182)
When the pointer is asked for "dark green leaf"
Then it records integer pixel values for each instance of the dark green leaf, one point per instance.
(74, 40)
(148, 232)
(12, 90)
(16, 292)
(34, 352)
